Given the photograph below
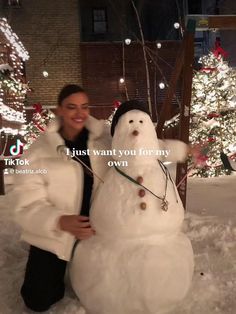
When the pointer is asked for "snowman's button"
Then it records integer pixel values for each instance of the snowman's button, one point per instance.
(139, 179)
(143, 205)
(141, 193)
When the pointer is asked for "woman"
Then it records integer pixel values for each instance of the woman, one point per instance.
(53, 208)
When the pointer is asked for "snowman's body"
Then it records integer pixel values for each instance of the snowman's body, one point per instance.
(138, 262)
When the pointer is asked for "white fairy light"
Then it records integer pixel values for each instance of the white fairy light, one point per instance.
(161, 85)
(10, 114)
(45, 73)
(9, 131)
(12, 108)
(13, 39)
(176, 25)
(158, 45)
(127, 41)
(122, 80)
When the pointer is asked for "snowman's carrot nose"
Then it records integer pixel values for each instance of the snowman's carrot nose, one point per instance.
(135, 132)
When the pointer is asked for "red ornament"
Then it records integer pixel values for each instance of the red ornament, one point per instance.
(199, 154)
(213, 115)
(208, 70)
(37, 108)
(116, 104)
(219, 51)
(202, 160)
(211, 139)
(39, 126)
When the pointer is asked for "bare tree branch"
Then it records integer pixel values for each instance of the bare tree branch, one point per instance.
(145, 59)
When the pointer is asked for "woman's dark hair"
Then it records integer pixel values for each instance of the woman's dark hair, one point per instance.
(67, 90)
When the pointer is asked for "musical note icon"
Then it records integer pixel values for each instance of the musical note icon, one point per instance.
(15, 149)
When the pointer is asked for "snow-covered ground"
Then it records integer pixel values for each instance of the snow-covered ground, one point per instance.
(211, 225)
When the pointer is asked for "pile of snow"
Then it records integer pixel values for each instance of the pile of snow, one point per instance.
(210, 224)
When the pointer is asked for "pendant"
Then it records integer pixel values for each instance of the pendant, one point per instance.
(164, 205)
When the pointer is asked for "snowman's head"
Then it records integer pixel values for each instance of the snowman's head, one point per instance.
(135, 131)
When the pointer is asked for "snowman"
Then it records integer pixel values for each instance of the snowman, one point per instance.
(139, 261)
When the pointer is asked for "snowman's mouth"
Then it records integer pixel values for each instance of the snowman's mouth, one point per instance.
(135, 133)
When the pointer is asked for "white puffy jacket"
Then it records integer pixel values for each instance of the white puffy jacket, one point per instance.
(40, 199)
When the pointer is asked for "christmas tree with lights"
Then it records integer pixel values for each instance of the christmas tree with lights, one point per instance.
(13, 88)
(213, 113)
(38, 124)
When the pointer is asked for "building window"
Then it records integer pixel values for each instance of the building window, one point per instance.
(14, 3)
(99, 21)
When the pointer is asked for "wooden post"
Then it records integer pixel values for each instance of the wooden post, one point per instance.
(186, 101)
(209, 22)
(2, 165)
(222, 22)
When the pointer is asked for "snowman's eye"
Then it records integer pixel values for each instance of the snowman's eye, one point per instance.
(131, 121)
(141, 121)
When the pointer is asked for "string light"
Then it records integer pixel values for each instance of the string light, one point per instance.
(122, 80)
(13, 39)
(213, 112)
(13, 131)
(12, 89)
(127, 41)
(159, 45)
(10, 114)
(176, 25)
(36, 126)
(161, 85)
(45, 73)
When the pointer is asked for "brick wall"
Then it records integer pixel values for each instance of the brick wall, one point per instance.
(102, 69)
(118, 13)
(50, 31)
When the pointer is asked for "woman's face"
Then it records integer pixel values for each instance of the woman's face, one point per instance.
(74, 111)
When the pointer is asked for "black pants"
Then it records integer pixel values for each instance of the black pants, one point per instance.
(44, 280)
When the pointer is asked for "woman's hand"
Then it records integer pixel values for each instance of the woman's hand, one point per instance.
(78, 226)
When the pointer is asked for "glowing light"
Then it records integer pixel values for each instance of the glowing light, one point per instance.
(13, 39)
(176, 25)
(213, 114)
(10, 114)
(162, 85)
(45, 73)
(127, 41)
(12, 131)
(122, 80)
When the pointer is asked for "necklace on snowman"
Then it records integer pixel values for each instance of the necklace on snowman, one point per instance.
(164, 202)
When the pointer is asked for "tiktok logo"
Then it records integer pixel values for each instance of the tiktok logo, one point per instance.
(15, 149)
